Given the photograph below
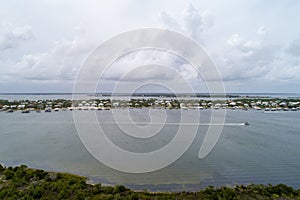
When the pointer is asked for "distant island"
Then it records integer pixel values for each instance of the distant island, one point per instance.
(138, 94)
(21, 182)
(105, 103)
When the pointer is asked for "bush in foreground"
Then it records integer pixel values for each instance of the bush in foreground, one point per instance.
(25, 183)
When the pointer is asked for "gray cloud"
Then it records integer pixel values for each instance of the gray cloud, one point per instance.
(191, 21)
(147, 65)
(247, 49)
(169, 21)
(150, 72)
(294, 47)
(259, 60)
(239, 59)
(11, 36)
(262, 31)
(196, 22)
(248, 59)
(60, 62)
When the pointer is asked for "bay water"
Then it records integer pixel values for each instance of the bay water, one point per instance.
(266, 151)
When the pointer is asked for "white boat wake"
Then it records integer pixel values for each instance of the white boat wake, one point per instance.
(176, 124)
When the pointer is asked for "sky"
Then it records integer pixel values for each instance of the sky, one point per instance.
(254, 44)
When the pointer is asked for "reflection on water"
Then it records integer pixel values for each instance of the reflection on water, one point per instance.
(264, 152)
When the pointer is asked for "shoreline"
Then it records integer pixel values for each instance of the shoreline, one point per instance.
(23, 182)
(266, 104)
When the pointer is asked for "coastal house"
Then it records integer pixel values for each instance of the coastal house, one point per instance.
(21, 106)
(196, 104)
(203, 104)
(137, 105)
(225, 105)
(123, 105)
(293, 104)
(6, 106)
(189, 105)
(246, 105)
(217, 106)
(274, 104)
(232, 103)
(182, 105)
(115, 104)
(283, 104)
(169, 105)
(257, 108)
(30, 106)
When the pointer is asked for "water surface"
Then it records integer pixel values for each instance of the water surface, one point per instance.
(265, 152)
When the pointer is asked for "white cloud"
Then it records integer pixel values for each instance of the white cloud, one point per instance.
(59, 63)
(248, 59)
(191, 22)
(235, 40)
(246, 47)
(259, 60)
(11, 36)
(150, 65)
(238, 42)
(239, 58)
(281, 74)
(169, 21)
(286, 68)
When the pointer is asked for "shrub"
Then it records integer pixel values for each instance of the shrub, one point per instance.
(108, 190)
(1, 168)
(9, 174)
(120, 188)
(40, 174)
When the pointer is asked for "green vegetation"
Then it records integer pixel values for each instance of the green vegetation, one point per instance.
(103, 104)
(24, 183)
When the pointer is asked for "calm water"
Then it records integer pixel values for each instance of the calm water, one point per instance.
(267, 151)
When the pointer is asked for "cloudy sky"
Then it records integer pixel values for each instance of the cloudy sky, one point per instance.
(254, 44)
